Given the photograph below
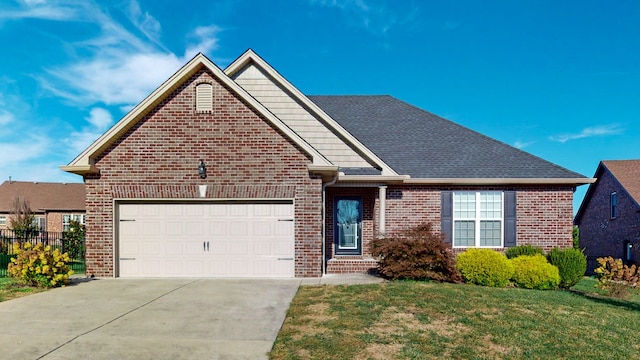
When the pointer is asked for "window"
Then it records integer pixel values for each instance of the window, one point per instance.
(66, 220)
(614, 205)
(348, 225)
(39, 223)
(478, 219)
(204, 97)
(3, 220)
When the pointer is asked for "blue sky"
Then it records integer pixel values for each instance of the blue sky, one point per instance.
(559, 79)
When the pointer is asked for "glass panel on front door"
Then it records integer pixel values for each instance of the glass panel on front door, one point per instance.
(348, 225)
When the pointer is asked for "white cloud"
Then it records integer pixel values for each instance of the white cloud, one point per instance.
(522, 144)
(115, 79)
(100, 118)
(40, 9)
(6, 117)
(206, 41)
(372, 15)
(27, 148)
(123, 67)
(604, 130)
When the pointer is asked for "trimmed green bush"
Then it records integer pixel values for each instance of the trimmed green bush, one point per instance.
(534, 272)
(572, 264)
(514, 252)
(485, 267)
(417, 253)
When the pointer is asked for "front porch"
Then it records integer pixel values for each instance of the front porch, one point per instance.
(352, 220)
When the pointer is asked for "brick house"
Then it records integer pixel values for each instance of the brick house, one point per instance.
(237, 173)
(609, 216)
(53, 204)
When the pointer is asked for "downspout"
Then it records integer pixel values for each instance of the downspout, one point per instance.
(324, 214)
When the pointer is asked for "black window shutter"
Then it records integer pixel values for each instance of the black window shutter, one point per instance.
(446, 215)
(509, 218)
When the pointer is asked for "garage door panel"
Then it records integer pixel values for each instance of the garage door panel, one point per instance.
(239, 228)
(282, 248)
(206, 240)
(172, 228)
(217, 227)
(262, 248)
(238, 247)
(283, 228)
(219, 247)
(282, 210)
(262, 228)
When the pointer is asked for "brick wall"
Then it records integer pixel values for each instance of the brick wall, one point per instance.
(245, 157)
(602, 236)
(544, 216)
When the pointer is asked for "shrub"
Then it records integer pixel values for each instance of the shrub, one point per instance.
(534, 272)
(572, 264)
(615, 278)
(485, 267)
(416, 253)
(38, 266)
(73, 240)
(520, 250)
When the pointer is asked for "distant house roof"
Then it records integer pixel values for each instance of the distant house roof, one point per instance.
(627, 172)
(423, 145)
(43, 196)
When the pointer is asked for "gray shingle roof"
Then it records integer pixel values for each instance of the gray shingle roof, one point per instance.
(423, 145)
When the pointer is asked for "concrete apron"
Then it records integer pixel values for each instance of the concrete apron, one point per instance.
(147, 319)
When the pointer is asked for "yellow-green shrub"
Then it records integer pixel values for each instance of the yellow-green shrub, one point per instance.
(534, 272)
(485, 267)
(39, 266)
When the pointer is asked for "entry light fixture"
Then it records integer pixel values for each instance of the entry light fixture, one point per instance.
(202, 170)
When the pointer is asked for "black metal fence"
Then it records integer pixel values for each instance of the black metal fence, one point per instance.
(56, 240)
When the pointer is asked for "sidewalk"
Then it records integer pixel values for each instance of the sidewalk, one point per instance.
(343, 279)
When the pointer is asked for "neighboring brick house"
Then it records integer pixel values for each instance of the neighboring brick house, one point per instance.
(609, 216)
(53, 204)
(236, 173)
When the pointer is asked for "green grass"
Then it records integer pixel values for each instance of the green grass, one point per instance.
(413, 320)
(11, 289)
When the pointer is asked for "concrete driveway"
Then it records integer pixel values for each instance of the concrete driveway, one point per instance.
(147, 319)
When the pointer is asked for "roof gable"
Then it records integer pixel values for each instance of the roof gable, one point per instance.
(250, 58)
(43, 196)
(423, 145)
(627, 172)
(84, 163)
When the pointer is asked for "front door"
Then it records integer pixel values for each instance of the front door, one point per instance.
(348, 225)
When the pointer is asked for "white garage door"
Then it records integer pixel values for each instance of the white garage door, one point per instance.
(206, 240)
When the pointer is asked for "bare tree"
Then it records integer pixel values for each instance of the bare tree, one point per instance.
(21, 220)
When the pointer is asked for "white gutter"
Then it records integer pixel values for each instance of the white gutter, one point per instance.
(499, 181)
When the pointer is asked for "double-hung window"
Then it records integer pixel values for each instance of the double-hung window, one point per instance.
(478, 219)
(66, 220)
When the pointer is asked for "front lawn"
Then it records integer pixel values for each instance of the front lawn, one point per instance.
(413, 320)
(11, 289)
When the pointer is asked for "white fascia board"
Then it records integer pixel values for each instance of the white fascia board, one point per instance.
(86, 157)
(373, 178)
(251, 56)
(500, 181)
(80, 169)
